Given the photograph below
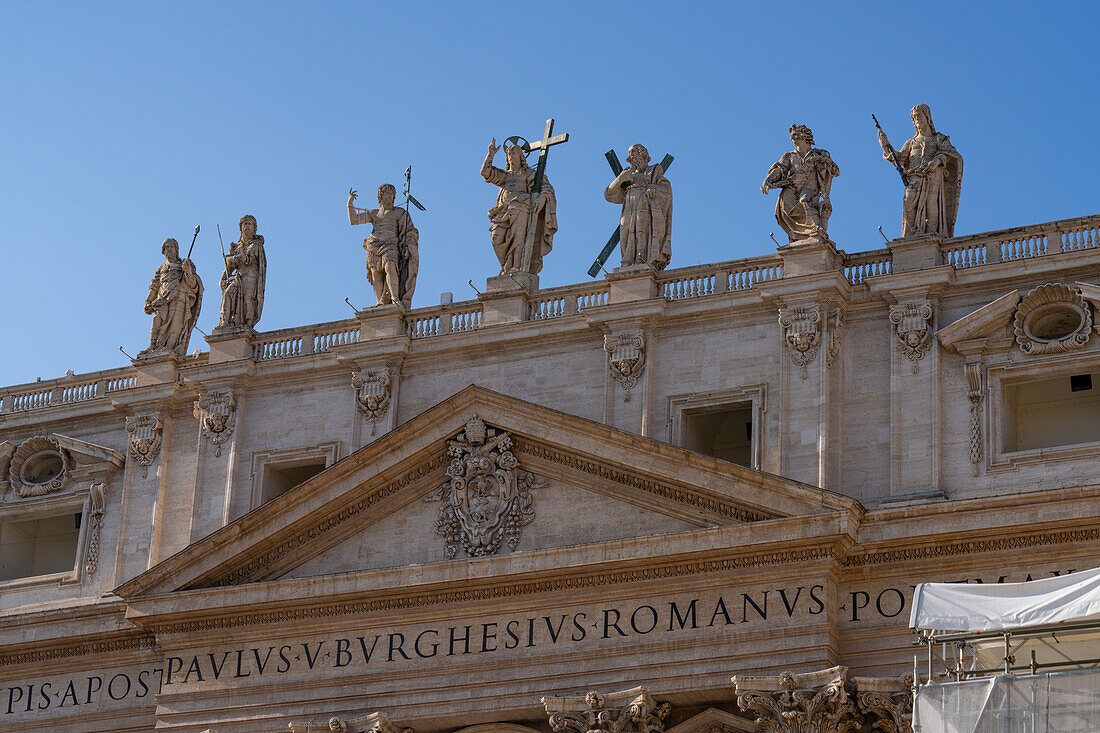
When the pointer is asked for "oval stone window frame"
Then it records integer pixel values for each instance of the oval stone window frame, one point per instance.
(1047, 305)
(24, 471)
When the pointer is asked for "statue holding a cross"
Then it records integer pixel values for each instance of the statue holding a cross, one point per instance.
(645, 227)
(524, 219)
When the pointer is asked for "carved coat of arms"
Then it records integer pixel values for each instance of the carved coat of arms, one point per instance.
(487, 498)
(214, 411)
(145, 438)
(372, 393)
(626, 358)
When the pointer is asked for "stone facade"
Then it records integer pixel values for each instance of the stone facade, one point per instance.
(680, 501)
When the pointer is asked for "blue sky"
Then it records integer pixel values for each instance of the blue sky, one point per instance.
(125, 123)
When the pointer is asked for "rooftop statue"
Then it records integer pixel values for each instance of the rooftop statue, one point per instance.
(515, 211)
(393, 247)
(243, 280)
(174, 301)
(805, 176)
(645, 226)
(931, 170)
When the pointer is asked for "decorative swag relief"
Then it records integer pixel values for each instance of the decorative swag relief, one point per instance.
(487, 498)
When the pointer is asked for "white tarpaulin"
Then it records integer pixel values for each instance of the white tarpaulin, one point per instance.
(1045, 703)
(995, 607)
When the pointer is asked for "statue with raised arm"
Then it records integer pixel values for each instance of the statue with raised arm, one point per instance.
(393, 247)
(508, 219)
(932, 169)
(805, 177)
(645, 226)
(244, 278)
(174, 302)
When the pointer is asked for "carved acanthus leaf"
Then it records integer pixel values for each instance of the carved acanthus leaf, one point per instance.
(627, 711)
(889, 701)
(800, 703)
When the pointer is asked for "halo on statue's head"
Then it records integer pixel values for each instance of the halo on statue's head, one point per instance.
(518, 142)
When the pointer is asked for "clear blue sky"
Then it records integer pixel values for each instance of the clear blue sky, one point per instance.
(123, 124)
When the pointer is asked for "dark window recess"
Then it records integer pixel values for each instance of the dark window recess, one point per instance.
(280, 478)
(723, 433)
(1080, 382)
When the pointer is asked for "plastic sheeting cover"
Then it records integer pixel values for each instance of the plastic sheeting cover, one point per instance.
(1068, 702)
(995, 607)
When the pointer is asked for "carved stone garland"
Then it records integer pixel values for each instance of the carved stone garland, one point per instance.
(831, 351)
(215, 412)
(626, 358)
(627, 711)
(1052, 319)
(913, 326)
(372, 393)
(975, 394)
(804, 703)
(802, 334)
(98, 498)
(145, 433)
(486, 499)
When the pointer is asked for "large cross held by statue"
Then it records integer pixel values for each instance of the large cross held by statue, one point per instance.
(536, 187)
(616, 168)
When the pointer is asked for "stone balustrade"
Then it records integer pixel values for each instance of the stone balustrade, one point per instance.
(988, 248)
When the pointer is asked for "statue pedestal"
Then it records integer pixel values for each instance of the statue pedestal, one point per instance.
(810, 257)
(511, 282)
(505, 299)
(160, 367)
(636, 282)
(915, 253)
(381, 321)
(230, 343)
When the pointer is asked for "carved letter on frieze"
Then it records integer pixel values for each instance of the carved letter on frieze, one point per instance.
(215, 412)
(887, 701)
(487, 498)
(97, 496)
(372, 393)
(626, 358)
(802, 334)
(145, 436)
(626, 711)
(975, 394)
(913, 326)
(817, 702)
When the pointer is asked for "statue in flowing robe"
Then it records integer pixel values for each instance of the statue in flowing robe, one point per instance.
(174, 302)
(393, 247)
(805, 178)
(244, 278)
(934, 169)
(508, 219)
(645, 225)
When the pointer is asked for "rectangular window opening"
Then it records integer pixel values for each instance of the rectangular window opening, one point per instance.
(40, 546)
(1048, 413)
(279, 478)
(724, 432)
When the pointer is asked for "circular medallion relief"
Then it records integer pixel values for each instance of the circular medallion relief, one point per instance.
(1052, 319)
(39, 466)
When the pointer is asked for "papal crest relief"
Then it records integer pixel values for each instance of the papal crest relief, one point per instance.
(487, 498)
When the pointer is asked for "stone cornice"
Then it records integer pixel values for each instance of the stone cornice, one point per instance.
(65, 648)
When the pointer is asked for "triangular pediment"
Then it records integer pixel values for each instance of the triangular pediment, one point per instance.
(569, 481)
